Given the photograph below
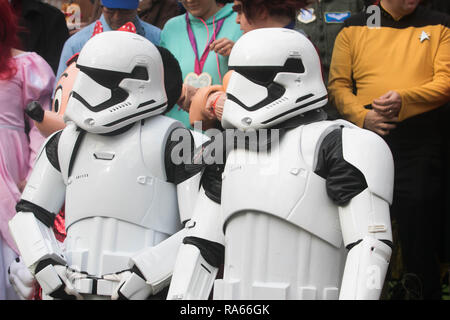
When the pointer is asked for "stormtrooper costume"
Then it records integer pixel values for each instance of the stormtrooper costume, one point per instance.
(309, 219)
(112, 167)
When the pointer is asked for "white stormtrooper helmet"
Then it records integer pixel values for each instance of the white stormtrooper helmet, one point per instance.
(121, 80)
(277, 75)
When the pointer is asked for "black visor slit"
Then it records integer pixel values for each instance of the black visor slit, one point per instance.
(111, 80)
(264, 75)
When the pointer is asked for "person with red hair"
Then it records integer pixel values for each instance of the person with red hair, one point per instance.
(24, 77)
(9, 39)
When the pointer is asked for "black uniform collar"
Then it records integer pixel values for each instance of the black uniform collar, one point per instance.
(388, 20)
(120, 130)
(302, 119)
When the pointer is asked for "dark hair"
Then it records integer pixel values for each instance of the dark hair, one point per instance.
(286, 8)
(8, 40)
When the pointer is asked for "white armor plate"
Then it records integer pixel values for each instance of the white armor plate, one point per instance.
(282, 184)
(117, 201)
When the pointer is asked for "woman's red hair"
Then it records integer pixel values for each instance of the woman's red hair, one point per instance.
(287, 8)
(8, 40)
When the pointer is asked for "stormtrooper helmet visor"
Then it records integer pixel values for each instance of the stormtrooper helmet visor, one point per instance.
(262, 77)
(108, 81)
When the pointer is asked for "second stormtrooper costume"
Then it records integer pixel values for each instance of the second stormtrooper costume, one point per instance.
(112, 166)
(309, 219)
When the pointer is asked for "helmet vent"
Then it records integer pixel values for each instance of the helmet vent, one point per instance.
(120, 106)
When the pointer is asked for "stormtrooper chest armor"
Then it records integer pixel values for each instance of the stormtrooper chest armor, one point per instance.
(117, 199)
(283, 183)
(282, 232)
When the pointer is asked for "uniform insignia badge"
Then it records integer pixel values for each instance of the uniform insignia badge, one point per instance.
(336, 17)
(306, 15)
(424, 36)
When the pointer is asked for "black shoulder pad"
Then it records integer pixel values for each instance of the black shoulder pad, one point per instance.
(179, 172)
(51, 149)
(343, 180)
(212, 181)
(212, 252)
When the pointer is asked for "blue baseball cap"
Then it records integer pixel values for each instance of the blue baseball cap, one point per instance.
(121, 4)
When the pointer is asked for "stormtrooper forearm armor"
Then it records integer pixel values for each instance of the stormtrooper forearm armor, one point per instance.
(201, 253)
(156, 264)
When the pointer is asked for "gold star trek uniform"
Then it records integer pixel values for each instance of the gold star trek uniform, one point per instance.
(410, 55)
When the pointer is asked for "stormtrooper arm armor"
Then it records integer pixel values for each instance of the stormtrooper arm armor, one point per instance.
(366, 229)
(31, 227)
(41, 200)
(201, 253)
(364, 211)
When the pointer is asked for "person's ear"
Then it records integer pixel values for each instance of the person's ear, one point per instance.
(262, 14)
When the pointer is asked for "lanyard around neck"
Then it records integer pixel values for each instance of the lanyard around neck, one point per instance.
(199, 63)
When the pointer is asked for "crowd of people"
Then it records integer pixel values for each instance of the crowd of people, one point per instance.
(392, 78)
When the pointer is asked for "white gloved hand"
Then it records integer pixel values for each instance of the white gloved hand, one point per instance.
(21, 279)
(55, 280)
(132, 286)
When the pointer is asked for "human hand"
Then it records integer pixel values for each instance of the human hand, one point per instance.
(187, 92)
(378, 123)
(222, 46)
(214, 105)
(388, 105)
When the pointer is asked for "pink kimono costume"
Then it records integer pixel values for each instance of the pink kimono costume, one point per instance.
(34, 80)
